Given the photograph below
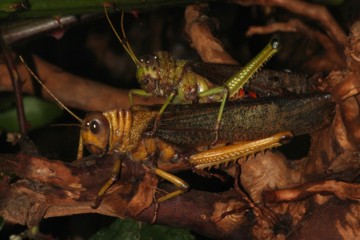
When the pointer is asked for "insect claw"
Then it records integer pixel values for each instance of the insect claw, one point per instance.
(216, 139)
(216, 134)
(156, 208)
(156, 124)
(97, 202)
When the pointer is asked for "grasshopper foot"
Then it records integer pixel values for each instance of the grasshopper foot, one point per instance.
(156, 209)
(216, 131)
(156, 125)
(97, 202)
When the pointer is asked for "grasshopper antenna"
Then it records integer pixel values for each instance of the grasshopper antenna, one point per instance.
(66, 125)
(124, 35)
(123, 40)
(51, 94)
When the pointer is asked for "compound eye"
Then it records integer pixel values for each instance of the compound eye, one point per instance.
(94, 127)
(149, 60)
(96, 123)
(95, 133)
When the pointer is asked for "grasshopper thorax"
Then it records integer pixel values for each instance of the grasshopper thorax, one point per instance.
(159, 73)
(94, 132)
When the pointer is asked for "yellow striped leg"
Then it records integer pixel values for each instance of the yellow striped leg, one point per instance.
(217, 156)
(80, 152)
(114, 176)
(178, 182)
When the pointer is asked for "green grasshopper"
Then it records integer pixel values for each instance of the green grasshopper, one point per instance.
(162, 75)
(121, 132)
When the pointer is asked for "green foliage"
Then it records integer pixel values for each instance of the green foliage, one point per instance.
(133, 230)
(38, 113)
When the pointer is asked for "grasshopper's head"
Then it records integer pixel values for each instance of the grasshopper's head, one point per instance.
(148, 74)
(95, 131)
(157, 73)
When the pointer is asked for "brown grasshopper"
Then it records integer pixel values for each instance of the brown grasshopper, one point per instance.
(121, 132)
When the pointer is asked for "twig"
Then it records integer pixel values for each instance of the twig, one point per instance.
(345, 88)
(341, 189)
(18, 31)
(313, 11)
(17, 86)
(197, 28)
(36, 9)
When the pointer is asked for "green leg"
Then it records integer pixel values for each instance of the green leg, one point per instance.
(178, 182)
(114, 176)
(141, 92)
(161, 111)
(224, 92)
(239, 79)
(138, 92)
(221, 110)
(167, 102)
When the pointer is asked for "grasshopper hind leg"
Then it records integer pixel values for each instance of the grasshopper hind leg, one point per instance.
(220, 155)
(178, 182)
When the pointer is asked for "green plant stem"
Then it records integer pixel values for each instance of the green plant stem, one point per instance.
(44, 8)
